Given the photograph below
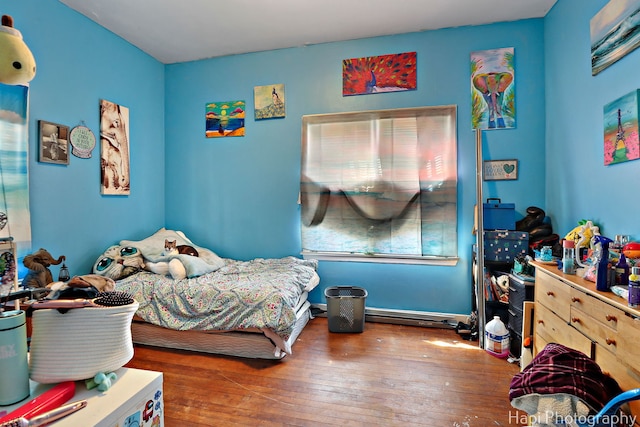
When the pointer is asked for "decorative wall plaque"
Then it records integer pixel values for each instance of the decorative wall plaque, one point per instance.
(83, 141)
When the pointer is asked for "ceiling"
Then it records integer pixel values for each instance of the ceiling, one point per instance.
(185, 30)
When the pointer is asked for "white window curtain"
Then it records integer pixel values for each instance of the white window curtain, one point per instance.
(15, 218)
(380, 183)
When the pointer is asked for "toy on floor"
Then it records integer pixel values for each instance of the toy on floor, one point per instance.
(17, 64)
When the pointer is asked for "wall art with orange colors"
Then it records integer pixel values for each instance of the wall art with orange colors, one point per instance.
(376, 74)
(224, 119)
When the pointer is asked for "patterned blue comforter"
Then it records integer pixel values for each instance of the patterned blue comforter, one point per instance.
(242, 295)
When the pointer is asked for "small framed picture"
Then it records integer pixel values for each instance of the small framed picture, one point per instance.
(498, 170)
(54, 143)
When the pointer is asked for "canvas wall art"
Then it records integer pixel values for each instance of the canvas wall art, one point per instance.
(493, 104)
(15, 216)
(53, 143)
(225, 119)
(621, 142)
(269, 101)
(115, 172)
(615, 31)
(375, 74)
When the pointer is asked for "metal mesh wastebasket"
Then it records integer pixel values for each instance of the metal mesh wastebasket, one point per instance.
(345, 308)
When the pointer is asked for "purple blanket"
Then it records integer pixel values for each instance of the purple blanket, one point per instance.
(560, 369)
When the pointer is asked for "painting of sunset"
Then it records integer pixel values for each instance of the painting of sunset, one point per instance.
(621, 142)
(225, 119)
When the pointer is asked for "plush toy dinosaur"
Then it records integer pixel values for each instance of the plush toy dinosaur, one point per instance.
(17, 64)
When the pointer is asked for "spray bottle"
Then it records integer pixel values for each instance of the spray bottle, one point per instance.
(603, 266)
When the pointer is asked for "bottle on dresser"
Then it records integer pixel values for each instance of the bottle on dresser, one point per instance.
(634, 288)
(622, 271)
(568, 257)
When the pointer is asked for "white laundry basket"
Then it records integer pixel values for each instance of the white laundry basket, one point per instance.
(79, 343)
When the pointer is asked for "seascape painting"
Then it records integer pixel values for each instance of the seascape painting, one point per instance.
(269, 101)
(15, 218)
(376, 74)
(225, 119)
(615, 31)
(621, 142)
(493, 104)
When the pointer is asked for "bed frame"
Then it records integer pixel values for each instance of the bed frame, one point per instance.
(234, 343)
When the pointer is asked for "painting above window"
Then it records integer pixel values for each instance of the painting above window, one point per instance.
(375, 74)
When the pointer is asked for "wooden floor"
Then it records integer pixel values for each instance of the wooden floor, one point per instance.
(389, 375)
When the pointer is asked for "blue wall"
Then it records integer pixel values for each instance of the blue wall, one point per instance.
(578, 184)
(238, 196)
(79, 63)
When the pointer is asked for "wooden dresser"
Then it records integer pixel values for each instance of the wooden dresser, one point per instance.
(570, 311)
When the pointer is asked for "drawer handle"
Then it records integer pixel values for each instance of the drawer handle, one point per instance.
(575, 319)
(541, 322)
(575, 299)
(550, 293)
(610, 341)
(611, 318)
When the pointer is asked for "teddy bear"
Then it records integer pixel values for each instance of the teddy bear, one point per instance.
(17, 64)
(39, 275)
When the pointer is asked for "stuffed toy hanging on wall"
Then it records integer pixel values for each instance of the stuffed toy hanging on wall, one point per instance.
(17, 64)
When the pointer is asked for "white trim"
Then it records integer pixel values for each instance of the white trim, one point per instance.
(408, 317)
(380, 258)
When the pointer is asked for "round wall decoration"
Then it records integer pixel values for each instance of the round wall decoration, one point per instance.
(82, 141)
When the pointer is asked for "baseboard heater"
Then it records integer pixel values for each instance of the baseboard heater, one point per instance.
(403, 317)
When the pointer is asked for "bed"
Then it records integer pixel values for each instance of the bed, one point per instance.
(253, 309)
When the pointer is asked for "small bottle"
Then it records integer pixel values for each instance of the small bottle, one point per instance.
(634, 288)
(568, 257)
(622, 271)
(603, 266)
(615, 247)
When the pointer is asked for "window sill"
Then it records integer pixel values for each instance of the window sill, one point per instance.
(380, 258)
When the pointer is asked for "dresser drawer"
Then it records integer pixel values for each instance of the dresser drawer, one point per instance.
(597, 331)
(597, 309)
(627, 377)
(553, 294)
(553, 329)
(539, 343)
(629, 340)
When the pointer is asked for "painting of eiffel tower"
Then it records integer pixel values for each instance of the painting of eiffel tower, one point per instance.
(621, 142)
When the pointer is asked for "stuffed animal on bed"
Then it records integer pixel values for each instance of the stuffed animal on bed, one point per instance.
(118, 262)
(174, 268)
(179, 266)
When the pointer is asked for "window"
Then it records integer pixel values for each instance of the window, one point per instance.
(380, 184)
